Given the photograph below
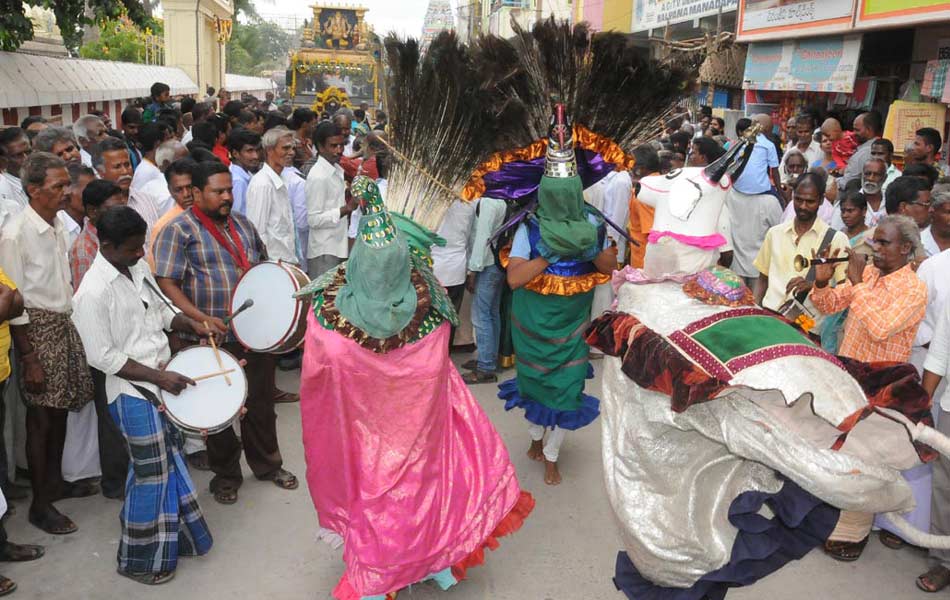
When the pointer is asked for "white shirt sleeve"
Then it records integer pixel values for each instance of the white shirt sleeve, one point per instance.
(322, 210)
(91, 315)
(938, 357)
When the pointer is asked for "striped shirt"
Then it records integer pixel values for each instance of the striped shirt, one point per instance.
(883, 313)
(186, 252)
(83, 252)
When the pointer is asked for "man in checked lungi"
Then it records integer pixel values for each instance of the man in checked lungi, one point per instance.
(122, 317)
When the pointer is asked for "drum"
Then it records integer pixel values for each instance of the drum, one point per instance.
(211, 404)
(277, 321)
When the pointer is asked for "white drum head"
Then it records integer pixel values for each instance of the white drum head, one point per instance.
(273, 317)
(210, 404)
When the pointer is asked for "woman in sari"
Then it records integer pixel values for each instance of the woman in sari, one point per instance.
(853, 210)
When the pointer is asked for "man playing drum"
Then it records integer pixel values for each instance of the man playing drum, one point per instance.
(121, 317)
(199, 258)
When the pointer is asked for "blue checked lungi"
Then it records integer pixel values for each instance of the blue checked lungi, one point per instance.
(161, 519)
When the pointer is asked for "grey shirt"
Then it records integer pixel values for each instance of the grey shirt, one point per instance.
(750, 218)
(855, 168)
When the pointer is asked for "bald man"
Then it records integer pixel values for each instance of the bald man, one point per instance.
(867, 128)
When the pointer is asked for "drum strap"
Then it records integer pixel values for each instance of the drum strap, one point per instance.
(152, 398)
(234, 246)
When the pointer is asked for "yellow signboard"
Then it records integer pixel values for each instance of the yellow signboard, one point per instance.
(900, 12)
(905, 118)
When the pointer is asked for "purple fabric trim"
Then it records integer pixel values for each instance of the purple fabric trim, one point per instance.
(519, 180)
(698, 354)
(727, 314)
(772, 352)
(704, 242)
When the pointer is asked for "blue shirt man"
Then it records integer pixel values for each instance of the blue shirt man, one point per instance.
(754, 179)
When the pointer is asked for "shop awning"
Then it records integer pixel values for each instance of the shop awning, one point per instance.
(30, 80)
(828, 64)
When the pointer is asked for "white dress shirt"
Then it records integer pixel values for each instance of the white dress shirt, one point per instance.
(33, 254)
(85, 158)
(11, 187)
(73, 229)
(326, 195)
(269, 209)
(929, 243)
(449, 262)
(938, 357)
(145, 173)
(147, 207)
(8, 208)
(120, 319)
(157, 190)
(489, 216)
(935, 272)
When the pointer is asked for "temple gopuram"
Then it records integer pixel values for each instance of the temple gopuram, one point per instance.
(338, 62)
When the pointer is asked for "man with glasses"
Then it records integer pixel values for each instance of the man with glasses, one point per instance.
(910, 196)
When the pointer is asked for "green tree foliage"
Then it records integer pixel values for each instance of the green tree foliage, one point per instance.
(71, 15)
(257, 46)
(120, 40)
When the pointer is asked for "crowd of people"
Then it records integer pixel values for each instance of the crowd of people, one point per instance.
(111, 237)
(82, 347)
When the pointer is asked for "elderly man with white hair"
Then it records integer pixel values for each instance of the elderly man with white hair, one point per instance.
(157, 189)
(89, 131)
(268, 199)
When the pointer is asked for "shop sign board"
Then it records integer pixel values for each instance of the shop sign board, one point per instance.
(765, 19)
(827, 64)
(654, 14)
(877, 13)
(905, 118)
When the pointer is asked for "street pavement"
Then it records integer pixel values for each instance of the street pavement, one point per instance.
(265, 546)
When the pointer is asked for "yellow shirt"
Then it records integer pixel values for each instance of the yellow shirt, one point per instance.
(5, 335)
(776, 259)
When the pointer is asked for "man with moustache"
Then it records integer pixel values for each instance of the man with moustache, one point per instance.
(805, 234)
(53, 364)
(89, 131)
(872, 186)
(886, 303)
(16, 147)
(111, 159)
(328, 207)
(245, 150)
(268, 200)
(199, 258)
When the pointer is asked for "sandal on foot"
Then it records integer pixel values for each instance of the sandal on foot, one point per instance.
(10, 552)
(846, 551)
(53, 523)
(476, 376)
(148, 578)
(282, 397)
(226, 495)
(78, 489)
(199, 461)
(938, 578)
(7, 586)
(282, 478)
(891, 541)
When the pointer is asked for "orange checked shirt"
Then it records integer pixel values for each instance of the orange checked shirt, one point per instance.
(883, 313)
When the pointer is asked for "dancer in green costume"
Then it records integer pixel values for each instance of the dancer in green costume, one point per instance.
(554, 264)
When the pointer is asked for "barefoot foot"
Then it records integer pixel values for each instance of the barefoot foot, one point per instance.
(536, 450)
(551, 475)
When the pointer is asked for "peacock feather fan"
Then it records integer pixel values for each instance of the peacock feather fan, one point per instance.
(438, 134)
(607, 84)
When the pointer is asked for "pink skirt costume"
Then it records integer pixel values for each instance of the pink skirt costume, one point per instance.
(401, 460)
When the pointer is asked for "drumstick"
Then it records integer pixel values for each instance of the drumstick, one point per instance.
(210, 375)
(217, 355)
(246, 305)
